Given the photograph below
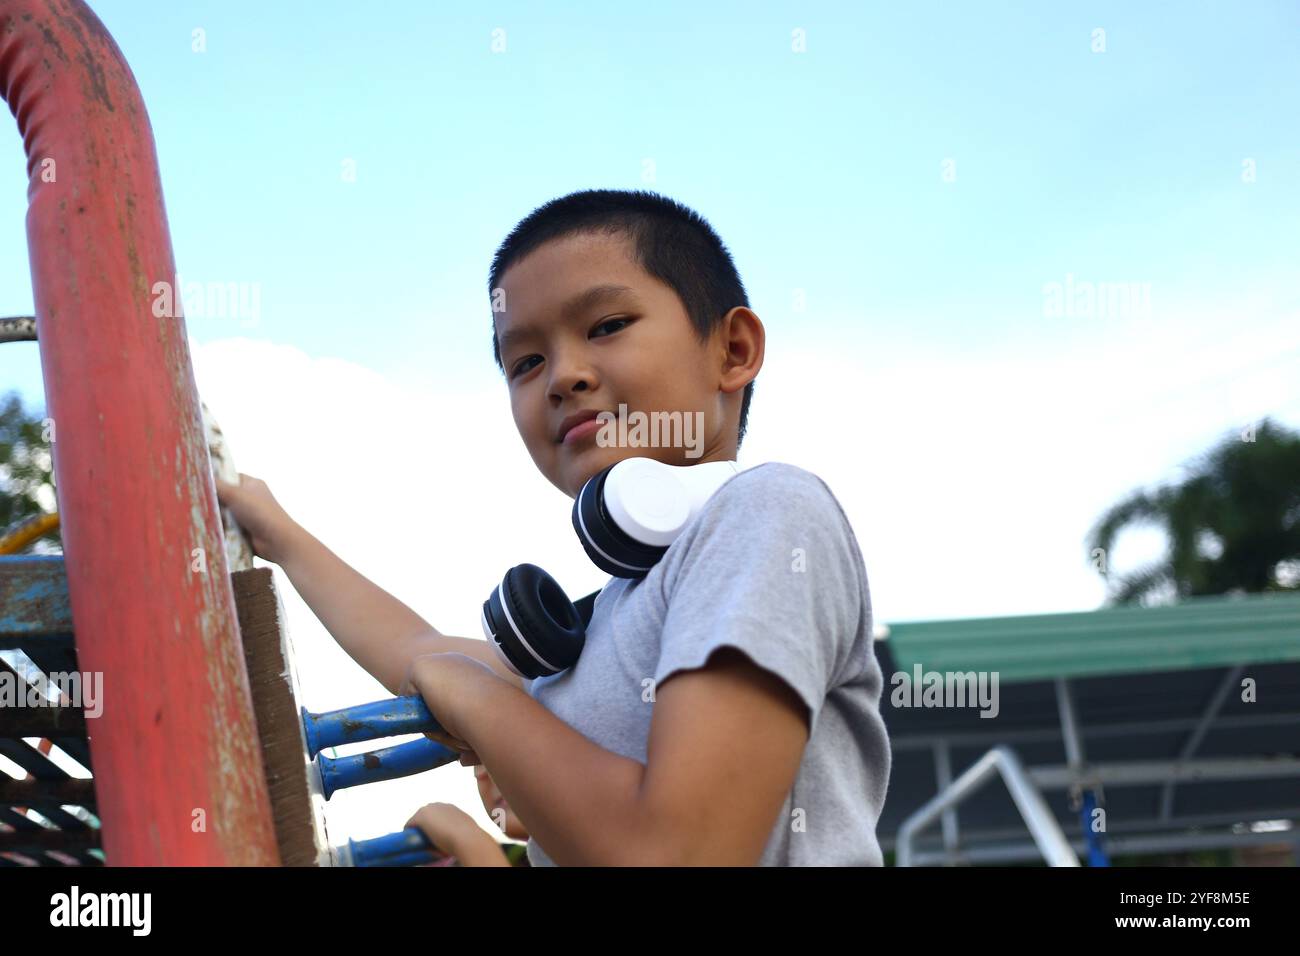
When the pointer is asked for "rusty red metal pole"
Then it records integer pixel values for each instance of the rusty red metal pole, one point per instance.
(178, 767)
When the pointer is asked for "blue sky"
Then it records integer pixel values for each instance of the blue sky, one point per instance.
(821, 170)
(917, 176)
(971, 435)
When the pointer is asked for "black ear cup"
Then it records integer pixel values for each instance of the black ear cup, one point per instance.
(608, 546)
(534, 624)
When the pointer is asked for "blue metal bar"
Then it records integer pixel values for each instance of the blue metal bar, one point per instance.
(409, 847)
(383, 718)
(337, 773)
(386, 850)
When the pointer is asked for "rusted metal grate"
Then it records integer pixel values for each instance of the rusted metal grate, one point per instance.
(47, 816)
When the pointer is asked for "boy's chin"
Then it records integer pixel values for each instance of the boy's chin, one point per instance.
(575, 470)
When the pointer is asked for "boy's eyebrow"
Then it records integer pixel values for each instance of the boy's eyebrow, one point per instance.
(575, 305)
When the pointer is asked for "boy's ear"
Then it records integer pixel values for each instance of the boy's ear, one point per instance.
(743, 343)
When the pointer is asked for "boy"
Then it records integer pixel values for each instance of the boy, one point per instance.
(725, 709)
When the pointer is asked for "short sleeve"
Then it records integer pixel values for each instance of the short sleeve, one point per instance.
(771, 568)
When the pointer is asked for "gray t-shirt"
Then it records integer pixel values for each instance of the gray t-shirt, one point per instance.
(769, 566)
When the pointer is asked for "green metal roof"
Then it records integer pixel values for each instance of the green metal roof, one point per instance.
(1198, 632)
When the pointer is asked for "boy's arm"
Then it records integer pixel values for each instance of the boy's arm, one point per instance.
(725, 744)
(745, 730)
(377, 630)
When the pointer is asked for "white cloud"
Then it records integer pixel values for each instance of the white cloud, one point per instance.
(972, 479)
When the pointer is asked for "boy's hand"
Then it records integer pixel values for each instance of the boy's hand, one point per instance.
(444, 681)
(268, 525)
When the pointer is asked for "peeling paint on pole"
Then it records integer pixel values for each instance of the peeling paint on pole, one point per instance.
(135, 490)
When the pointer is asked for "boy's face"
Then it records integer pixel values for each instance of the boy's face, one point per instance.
(636, 347)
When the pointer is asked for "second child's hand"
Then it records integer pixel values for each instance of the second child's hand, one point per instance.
(456, 836)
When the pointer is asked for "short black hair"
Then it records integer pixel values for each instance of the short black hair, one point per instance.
(674, 244)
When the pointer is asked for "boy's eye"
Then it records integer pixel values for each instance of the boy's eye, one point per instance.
(608, 322)
(521, 366)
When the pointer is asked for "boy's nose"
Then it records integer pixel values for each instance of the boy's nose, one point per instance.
(569, 373)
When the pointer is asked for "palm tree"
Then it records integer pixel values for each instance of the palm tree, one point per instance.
(1232, 524)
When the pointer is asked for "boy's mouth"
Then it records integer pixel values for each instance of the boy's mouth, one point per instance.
(581, 431)
(573, 421)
